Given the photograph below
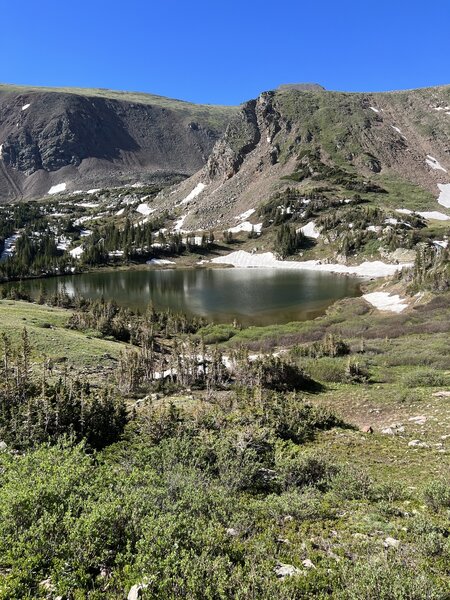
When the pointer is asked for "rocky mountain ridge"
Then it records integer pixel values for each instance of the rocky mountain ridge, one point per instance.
(79, 139)
(399, 141)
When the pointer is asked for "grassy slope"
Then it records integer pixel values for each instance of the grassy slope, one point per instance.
(49, 336)
(396, 347)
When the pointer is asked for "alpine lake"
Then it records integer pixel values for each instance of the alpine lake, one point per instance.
(257, 296)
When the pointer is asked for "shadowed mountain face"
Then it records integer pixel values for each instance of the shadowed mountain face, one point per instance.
(96, 139)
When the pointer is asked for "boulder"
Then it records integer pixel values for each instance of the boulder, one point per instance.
(417, 444)
(136, 591)
(282, 570)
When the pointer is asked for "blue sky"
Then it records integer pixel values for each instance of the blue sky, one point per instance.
(225, 52)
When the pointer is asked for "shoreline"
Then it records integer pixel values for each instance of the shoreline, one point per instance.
(366, 270)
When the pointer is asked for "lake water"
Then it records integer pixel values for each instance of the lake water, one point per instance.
(252, 296)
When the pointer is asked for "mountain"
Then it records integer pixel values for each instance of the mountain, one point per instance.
(392, 148)
(85, 138)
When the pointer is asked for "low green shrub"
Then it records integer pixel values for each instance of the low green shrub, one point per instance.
(437, 494)
(424, 378)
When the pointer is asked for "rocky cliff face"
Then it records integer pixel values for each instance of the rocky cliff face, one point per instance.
(300, 138)
(50, 137)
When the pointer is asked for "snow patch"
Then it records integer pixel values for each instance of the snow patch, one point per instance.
(57, 189)
(144, 209)
(25, 106)
(195, 192)
(246, 226)
(1, 150)
(433, 214)
(444, 196)
(93, 191)
(88, 204)
(160, 261)
(386, 301)
(76, 252)
(244, 259)
(398, 130)
(245, 215)
(120, 212)
(434, 164)
(9, 246)
(376, 110)
(310, 230)
(179, 224)
(63, 243)
(441, 243)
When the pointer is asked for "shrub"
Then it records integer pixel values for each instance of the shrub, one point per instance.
(327, 370)
(352, 484)
(437, 494)
(355, 372)
(424, 378)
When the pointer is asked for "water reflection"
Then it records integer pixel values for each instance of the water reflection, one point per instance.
(252, 296)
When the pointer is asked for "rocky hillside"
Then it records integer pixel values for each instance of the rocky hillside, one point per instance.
(342, 144)
(80, 139)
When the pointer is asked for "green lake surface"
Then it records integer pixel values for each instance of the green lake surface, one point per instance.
(252, 296)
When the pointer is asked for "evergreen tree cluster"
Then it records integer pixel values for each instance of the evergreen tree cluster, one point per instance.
(431, 269)
(36, 407)
(288, 240)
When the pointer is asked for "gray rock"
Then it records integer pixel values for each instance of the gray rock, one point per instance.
(308, 564)
(135, 591)
(282, 570)
(417, 444)
(391, 542)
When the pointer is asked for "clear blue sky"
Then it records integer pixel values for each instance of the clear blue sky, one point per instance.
(225, 51)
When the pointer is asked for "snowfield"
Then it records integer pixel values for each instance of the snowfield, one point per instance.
(246, 226)
(310, 230)
(160, 261)
(179, 224)
(245, 215)
(195, 192)
(434, 164)
(444, 196)
(386, 301)
(433, 214)
(76, 252)
(244, 259)
(57, 189)
(144, 209)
